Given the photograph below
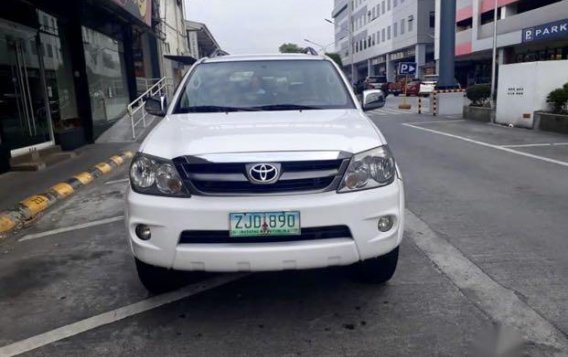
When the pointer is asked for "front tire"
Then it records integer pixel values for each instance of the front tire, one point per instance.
(377, 270)
(158, 280)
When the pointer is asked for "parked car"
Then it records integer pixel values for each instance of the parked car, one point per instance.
(413, 88)
(377, 82)
(250, 176)
(428, 85)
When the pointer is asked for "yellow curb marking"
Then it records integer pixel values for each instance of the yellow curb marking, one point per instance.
(36, 204)
(6, 223)
(104, 167)
(84, 177)
(63, 189)
(117, 160)
(129, 154)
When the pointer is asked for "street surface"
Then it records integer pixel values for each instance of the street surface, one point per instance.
(484, 256)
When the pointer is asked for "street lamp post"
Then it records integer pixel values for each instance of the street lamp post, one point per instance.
(322, 48)
(494, 58)
(350, 41)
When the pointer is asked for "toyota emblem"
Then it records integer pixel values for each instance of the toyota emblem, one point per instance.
(263, 173)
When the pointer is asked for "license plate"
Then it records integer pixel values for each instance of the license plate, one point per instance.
(264, 224)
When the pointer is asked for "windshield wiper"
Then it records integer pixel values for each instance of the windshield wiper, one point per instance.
(213, 109)
(286, 107)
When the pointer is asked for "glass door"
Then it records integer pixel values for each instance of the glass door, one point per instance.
(24, 112)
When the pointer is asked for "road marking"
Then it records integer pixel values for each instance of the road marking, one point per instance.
(437, 121)
(533, 145)
(502, 148)
(112, 182)
(500, 303)
(71, 228)
(109, 317)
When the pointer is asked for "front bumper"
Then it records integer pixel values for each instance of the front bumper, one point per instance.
(360, 211)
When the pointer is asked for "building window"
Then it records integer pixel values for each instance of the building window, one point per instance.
(378, 10)
(410, 23)
(383, 34)
(370, 41)
(402, 26)
(383, 7)
(432, 19)
(394, 3)
(374, 13)
(395, 29)
(388, 5)
(388, 33)
(374, 38)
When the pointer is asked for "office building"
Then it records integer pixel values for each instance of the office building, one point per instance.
(385, 33)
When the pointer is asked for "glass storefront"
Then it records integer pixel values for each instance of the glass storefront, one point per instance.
(58, 72)
(24, 114)
(108, 88)
(37, 91)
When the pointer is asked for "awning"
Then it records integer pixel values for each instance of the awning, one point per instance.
(187, 60)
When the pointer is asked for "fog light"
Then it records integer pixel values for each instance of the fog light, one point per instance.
(143, 232)
(385, 223)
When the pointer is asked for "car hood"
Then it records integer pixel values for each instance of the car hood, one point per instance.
(242, 132)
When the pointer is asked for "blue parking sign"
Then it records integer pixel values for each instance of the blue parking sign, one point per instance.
(407, 68)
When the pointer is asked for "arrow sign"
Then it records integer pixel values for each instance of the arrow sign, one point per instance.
(407, 68)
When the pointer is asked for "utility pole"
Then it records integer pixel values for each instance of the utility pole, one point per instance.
(494, 58)
(447, 78)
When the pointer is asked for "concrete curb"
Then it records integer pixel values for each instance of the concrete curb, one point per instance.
(27, 210)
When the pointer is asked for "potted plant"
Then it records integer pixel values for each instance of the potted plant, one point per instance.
(69, 134)
(557, 118)
(479, 108)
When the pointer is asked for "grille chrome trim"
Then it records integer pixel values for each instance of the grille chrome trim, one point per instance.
(229, 179)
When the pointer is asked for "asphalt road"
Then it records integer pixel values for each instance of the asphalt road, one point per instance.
(483, 261)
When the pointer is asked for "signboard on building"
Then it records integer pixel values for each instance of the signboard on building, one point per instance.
(141, 9)
(552, 30)
(407, 68)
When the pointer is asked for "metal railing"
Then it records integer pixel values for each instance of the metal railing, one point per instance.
(143, 84)
(137, 106)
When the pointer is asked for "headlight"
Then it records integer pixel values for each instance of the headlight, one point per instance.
(154, 176)
(369, 169)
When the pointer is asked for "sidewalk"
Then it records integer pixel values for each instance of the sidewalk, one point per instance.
(16, 186)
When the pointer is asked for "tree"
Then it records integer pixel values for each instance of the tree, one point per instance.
(336, 58)
(290, 48)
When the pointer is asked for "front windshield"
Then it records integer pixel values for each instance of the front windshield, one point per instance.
(263, 85)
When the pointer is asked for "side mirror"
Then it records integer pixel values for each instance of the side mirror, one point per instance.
(373, 99)
(156, 106)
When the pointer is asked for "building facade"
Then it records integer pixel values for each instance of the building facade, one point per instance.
(527, 30)
(383, 33)
(68, 69)
(200, 40)
(173, 38)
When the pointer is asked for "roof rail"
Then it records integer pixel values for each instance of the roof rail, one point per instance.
(310, 51)
(218, 53)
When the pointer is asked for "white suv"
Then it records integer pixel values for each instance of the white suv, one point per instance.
(264, 163)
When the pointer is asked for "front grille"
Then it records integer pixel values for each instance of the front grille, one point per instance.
(217, 237)
(207, 178)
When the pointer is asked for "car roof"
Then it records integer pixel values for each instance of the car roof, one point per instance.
(264, 57)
